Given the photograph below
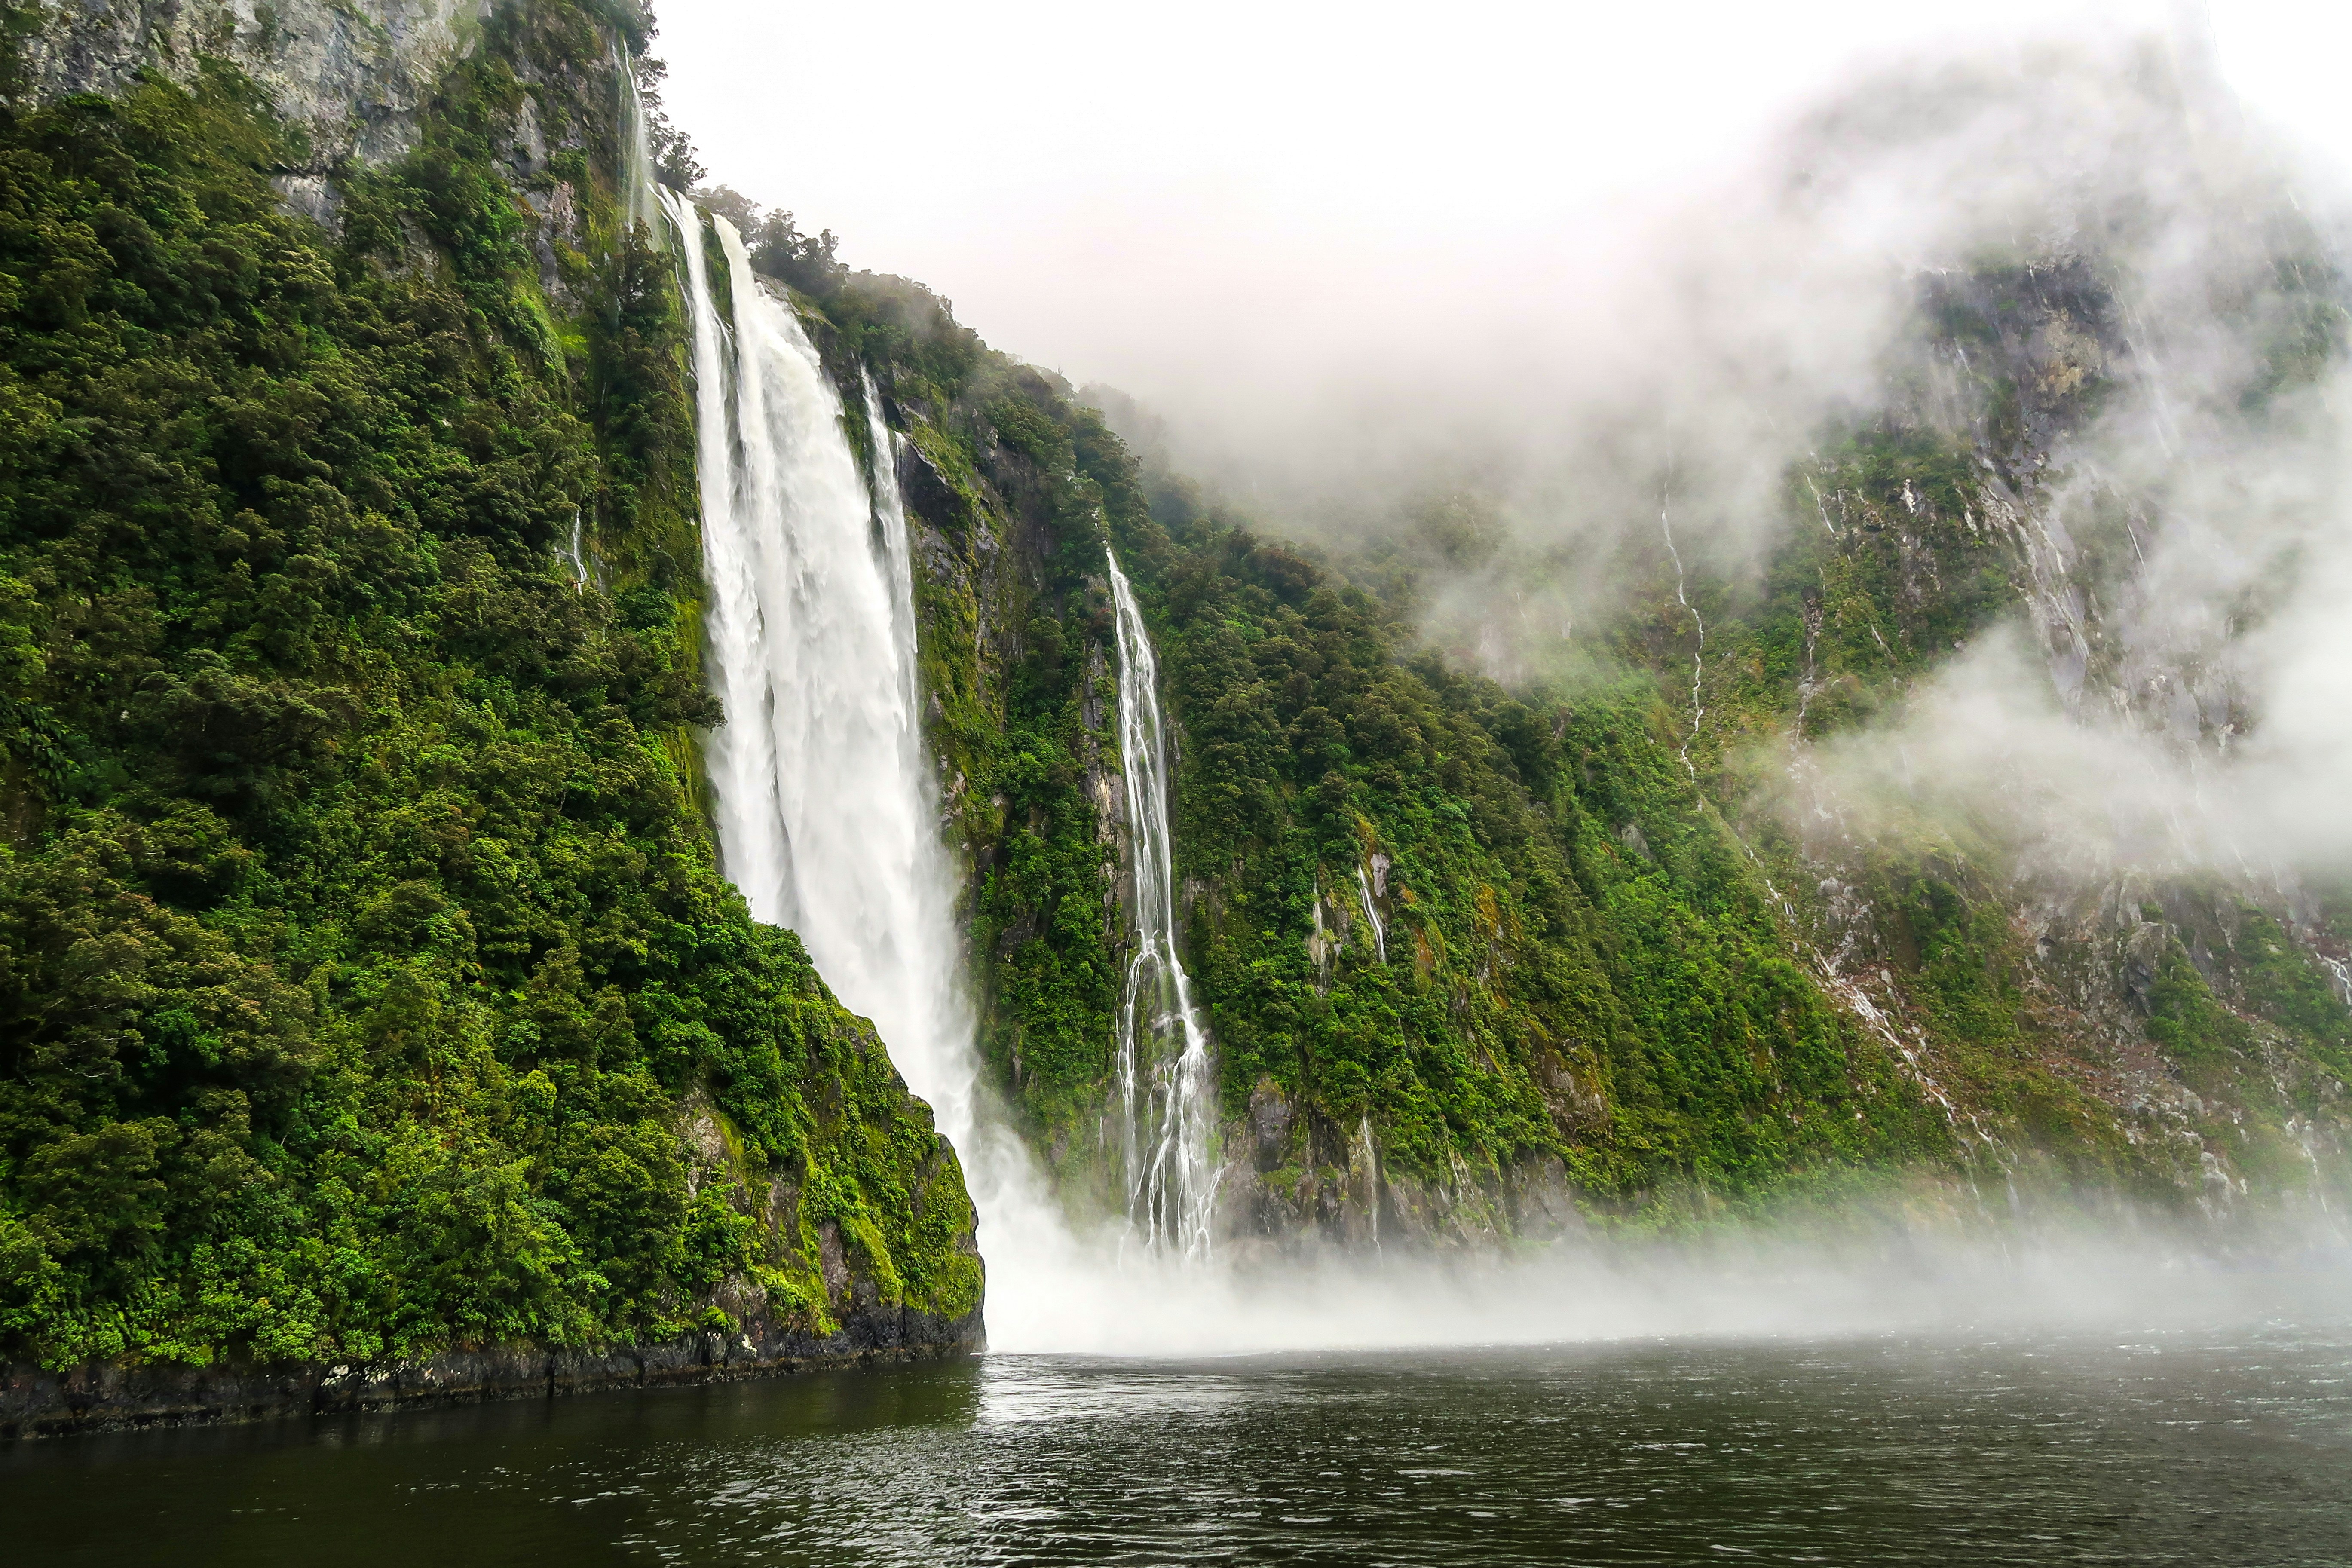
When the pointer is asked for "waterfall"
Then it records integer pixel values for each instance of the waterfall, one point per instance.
(1372, 915)
(1699, 658)
(642, 202)
(825, 819)
(574, 555)
(890, 518)
(826, 810)
(1167, 1089)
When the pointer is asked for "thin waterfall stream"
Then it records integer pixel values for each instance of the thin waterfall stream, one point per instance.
(1372, 915)
(644, 203)
(1166, 1086)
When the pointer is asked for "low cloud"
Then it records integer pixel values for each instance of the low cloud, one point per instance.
(2176, 695)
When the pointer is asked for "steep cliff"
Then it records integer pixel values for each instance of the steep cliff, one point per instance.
(369, 999)
(2151, 1020)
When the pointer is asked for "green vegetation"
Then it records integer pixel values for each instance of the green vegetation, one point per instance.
(363, 967)
(1899, 548)
(1580, 957)
(1597, 949)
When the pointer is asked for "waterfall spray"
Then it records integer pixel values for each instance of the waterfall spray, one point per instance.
(1167, 1089)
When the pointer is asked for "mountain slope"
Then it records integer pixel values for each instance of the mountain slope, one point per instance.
(370, 990)
(1616, 977)
(367, 988)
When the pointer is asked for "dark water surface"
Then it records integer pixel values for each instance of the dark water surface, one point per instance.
(2199, 1446)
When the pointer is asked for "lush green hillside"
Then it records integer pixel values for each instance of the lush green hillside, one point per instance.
(1614, 975)
(1584, 980)
(366, 984)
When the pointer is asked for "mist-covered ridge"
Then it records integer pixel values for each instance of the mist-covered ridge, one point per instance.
(1899, 602)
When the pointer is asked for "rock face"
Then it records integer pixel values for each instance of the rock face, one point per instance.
(352, 74)
(35, 1402)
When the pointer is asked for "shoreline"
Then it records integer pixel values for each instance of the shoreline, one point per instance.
(37, 1403)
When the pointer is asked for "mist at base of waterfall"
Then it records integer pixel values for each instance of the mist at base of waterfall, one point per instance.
(2080, 1272)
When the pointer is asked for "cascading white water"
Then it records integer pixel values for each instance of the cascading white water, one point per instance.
(642, 202)
(1372, 915)
(1167, 1087)
(827, 814)
(574, 554)
(890, 518)
(825, 819)
(828, 819)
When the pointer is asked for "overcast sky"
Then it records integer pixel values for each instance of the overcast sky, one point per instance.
(1123, 192)
(1357, 254)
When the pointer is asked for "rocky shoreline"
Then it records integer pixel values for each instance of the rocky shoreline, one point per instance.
(104, 1397)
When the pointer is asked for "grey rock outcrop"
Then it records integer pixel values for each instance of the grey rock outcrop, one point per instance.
(351, 76)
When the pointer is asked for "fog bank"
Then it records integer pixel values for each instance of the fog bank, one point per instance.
(1735, 1283)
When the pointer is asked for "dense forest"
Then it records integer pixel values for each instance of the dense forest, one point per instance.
(366, 983)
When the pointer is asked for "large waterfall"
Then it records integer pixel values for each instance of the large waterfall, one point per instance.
(828, 816)
(1167, 1089)
(828, 819)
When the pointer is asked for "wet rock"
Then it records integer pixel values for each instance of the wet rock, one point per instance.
(350, 76)
(1269, 1124)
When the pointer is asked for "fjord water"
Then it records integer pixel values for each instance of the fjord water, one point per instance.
(2214, 1447)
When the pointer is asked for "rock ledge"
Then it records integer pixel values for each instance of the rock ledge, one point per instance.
(37, 1403)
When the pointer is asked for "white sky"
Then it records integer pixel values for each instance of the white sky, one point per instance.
(1143, 194)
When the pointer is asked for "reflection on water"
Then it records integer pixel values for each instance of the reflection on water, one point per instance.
(2183, 1445)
